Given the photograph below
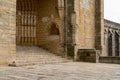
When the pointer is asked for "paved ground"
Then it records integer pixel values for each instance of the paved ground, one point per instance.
(62, 71)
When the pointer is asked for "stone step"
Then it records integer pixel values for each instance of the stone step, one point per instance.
(40, 61)
(29, 60)
(37, 63)
(32, 55)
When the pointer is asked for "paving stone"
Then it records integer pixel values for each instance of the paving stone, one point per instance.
(62, 71)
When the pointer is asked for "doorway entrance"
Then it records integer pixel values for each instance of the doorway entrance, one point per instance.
(39, 23)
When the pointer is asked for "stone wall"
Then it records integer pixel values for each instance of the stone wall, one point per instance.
(7, 31)
(89, 27)
(49, 13)
(85, 24)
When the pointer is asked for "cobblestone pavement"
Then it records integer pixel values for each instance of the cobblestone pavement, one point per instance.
(62, 71)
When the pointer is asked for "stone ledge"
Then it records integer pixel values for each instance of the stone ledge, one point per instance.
(114, 60)
(87, 55)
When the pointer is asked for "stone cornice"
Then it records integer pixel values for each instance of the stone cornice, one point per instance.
(111, 25)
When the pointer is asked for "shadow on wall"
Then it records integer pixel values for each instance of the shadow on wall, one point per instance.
(53, 39)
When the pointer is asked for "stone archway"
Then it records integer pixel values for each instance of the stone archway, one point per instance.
(32, 19)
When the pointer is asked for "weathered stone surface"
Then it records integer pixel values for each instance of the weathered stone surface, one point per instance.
(47, 17)
(89, 27)
(7, 31)
(85, 33)
(108, 59)
(32, 55)
(87, 55)
(63, 71)
(85, 23)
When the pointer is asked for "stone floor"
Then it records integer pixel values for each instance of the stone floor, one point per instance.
(62, 71)
(29, 55)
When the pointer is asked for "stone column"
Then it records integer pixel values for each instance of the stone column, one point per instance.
(119, 44)
(99, 25)
(110, 44)
(106, 42)
(113, 43)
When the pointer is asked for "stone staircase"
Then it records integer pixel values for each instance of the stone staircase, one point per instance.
(32, 55)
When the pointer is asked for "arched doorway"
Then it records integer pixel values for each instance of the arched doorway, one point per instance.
(32, 20)
(38, 29)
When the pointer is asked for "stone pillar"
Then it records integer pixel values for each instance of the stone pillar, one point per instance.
(99, 25)
(119, 44)
(7, 31)
(110, 44)
(106, 42)
(73, 22)
(113, 43)
(68, 28)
